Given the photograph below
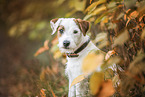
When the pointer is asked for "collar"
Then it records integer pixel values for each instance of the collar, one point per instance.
(71, 55)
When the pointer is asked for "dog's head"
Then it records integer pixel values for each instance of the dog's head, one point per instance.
(71, 33)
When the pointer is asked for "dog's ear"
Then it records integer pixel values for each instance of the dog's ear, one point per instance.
(83, 25)
(54, 24)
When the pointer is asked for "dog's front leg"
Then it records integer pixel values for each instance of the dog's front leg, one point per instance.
(79, 92)
(82, 89)
(72, 90)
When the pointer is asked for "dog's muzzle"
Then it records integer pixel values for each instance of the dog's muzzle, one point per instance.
(75, 54)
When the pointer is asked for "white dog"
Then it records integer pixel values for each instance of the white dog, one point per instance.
(76, 44)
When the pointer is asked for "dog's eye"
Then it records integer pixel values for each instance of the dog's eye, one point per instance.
(75, 32)
(61, 31)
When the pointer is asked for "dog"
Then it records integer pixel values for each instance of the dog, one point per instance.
(74, 41)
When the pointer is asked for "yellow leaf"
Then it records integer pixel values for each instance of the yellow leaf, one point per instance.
(111, 5)
(99, 10)
(103, 44)
(78, 79)
(54, 48)
(59, 2)
(42, 74)
(101, 40)
(96, 80)
(143, 34)
(13, 31)
(107, 89)
(88, 16)
(101, 17)
(114, 60)
(77, 4)
(109, 54)
(101, 37)
(91, 62)
(122, 38)
(105, 20)
(57, 54)
(95, 4)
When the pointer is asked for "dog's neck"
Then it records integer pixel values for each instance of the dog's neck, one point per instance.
(81, 47)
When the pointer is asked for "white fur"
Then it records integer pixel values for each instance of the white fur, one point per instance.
(74, 65)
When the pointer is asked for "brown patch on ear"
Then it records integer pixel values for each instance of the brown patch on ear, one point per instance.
(83, 25)
(54, 20)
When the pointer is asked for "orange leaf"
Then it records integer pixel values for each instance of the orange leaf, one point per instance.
(42, 93)
(46, 43)
(125, 17)
(134, 14)
(128, 21)
(109, 54)
(141, 17)
(128, 10)
(107, 89)
(40, 50)
(90, 1)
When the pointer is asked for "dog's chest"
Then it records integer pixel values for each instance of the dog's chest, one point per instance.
(73, 67)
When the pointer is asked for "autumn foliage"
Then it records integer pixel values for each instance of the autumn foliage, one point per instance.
(117, 28)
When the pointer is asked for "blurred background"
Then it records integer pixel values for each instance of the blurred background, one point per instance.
(24, 26)
(32, 66)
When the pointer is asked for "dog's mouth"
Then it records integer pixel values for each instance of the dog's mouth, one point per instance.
(66, 48)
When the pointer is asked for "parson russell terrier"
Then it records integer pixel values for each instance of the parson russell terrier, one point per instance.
(76, 44)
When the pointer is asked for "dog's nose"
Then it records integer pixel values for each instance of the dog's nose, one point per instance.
(66, 43)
